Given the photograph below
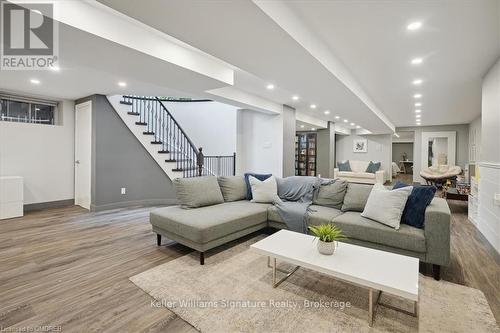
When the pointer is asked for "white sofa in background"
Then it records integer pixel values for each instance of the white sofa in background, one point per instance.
(359, 174)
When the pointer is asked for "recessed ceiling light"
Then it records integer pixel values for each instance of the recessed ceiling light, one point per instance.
(313, 129)
(327, 112)
(295, 98)
(418, 116)
(352, 124)
(122, 84)
(417, 82)
(345, 120)
(358, 126)
(418, 111)
(313, 106)
(418, 104)
(418, 124)
(417, 96)
(55, 68)
(337, 117)
(414, 26)
(35, 81)
(416, 61)
(301, 126)
(270, 86)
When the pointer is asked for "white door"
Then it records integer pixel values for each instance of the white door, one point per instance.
(83, 152)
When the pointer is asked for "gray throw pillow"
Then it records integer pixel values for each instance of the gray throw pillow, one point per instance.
(373, 167)
(356, 197)
(331, 195)
(344, 166)
(198, 191)
(233, 188)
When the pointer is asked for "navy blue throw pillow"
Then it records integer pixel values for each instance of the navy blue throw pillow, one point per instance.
(260, 177)
(420, 197)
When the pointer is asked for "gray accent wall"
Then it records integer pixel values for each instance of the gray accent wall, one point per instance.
(119, 160)
(379, 150)
(398, 148)
(325, 162)
(462, 144)
(288, 141)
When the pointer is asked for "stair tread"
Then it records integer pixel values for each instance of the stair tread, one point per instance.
(156, 142)
(133, 113)
(148, 133)
(140, 123)
(126, 103)
(185, 169)
(177, 160)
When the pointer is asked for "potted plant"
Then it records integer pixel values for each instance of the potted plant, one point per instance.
(327, 235)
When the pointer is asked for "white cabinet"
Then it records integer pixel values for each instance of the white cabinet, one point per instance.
(11, 197)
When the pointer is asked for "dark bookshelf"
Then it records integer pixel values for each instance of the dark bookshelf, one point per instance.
(305, 154)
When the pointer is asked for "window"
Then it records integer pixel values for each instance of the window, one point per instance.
(26, 111)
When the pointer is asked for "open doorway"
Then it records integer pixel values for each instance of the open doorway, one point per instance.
(403, 144)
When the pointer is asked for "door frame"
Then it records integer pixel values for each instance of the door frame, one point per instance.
(83, 203)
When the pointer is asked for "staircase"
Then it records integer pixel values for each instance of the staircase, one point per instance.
(165, 140)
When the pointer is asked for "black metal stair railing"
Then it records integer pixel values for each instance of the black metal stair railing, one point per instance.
(172, 141)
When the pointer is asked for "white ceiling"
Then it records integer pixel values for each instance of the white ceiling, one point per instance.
(459, 41)
(241, 34)
(90, 65)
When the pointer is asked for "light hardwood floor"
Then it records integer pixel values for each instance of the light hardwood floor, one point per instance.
(70, 268)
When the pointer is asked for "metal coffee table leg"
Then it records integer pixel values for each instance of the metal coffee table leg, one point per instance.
(275, 270)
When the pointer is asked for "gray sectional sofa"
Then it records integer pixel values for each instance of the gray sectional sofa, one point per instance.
(215, 211)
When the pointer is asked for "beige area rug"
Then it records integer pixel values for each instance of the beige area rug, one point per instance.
(233, 293)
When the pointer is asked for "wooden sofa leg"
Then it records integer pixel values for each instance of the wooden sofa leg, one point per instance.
(202, 258)
(436, 271)
(158, 239)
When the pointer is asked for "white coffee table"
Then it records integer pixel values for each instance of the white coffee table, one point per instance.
(376, 270)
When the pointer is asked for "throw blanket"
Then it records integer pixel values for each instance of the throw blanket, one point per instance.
(295, 196)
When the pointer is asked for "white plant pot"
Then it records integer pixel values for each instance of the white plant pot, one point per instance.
(327, 248)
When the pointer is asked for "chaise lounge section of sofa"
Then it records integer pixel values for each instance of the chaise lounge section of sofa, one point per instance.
(204, 228)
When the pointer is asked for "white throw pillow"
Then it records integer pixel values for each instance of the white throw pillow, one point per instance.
(386, 206)
(263, 191)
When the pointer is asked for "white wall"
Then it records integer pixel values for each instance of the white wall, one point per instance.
(379, 150)
(259, 143)
(42, 154)
(489, 166)
(211, 125)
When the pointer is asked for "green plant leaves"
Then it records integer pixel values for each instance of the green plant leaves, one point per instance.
(327, 232)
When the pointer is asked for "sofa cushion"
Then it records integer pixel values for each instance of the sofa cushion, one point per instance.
(373, 167)
(273, 215)
(420, 197)
(233, 188)
(344, 166)
(352, 174)
(205, 224)
(331, 195)
(356, 197)
(320, 215)
(256, 175)
(198, 191)
(357, 227)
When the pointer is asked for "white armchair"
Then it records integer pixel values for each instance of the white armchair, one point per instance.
(358, 174)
